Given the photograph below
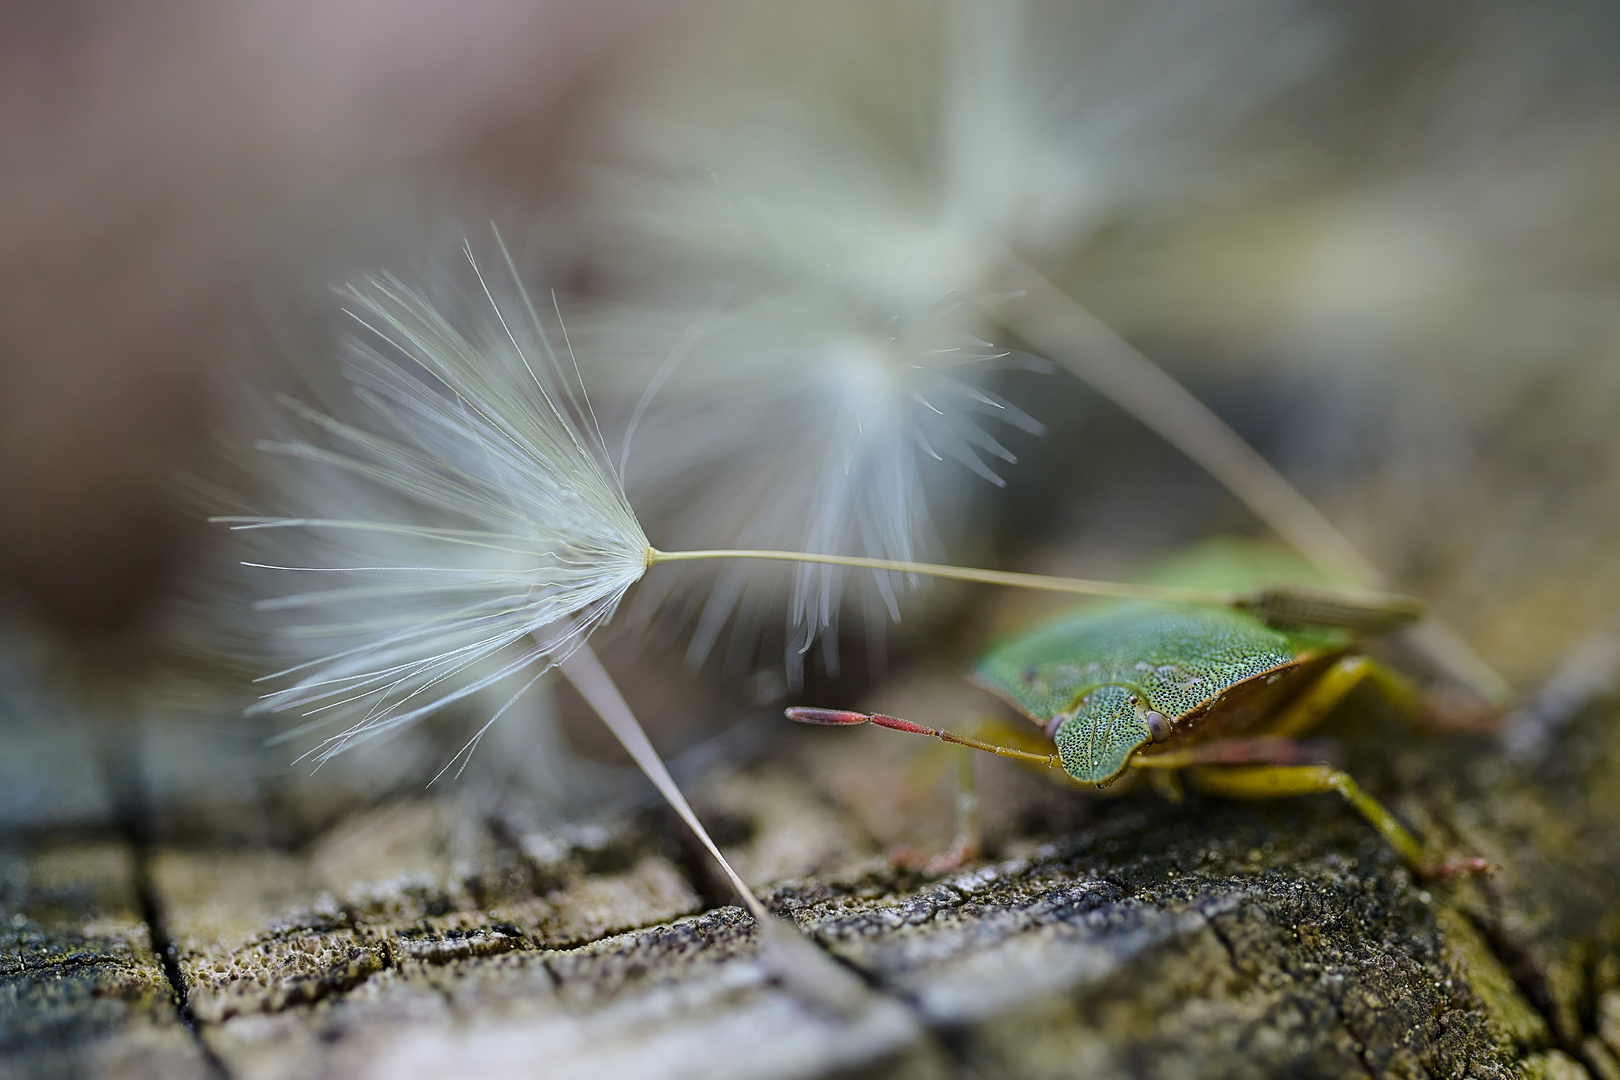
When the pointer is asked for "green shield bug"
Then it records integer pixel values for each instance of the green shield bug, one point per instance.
(1215, 694)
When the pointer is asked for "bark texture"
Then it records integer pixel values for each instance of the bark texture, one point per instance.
(1115, 937)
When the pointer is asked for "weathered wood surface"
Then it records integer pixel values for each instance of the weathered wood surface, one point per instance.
(1103, 937)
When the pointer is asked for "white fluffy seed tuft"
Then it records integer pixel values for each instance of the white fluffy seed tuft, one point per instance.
(822, 427)
(469, 535)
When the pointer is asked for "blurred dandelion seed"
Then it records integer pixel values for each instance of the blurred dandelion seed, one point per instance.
(806, 426)
(981, 169)
(859, 207)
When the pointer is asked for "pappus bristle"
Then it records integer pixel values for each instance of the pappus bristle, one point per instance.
(476, 526)
(810, 424)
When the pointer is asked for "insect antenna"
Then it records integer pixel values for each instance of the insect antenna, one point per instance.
(807, 715)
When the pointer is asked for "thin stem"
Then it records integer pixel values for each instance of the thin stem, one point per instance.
(1081, 586)
(1064, 331)
(788, 955)
(596, 686)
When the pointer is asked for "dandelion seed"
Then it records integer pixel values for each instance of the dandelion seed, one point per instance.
(491, 436)
(792, 425)
(499, 535)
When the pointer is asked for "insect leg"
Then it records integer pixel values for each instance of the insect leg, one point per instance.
(1436, 711)
(965, 846)
(1281, 781)
(1242, 750)
(1167, 782)
(1309, 709)
(967, 842)
(968, 839)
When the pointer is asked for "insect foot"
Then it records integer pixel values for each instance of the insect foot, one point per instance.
(963, 850)
(1456, 867)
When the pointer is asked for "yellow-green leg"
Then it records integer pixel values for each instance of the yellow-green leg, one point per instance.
(1312, 707)
(1309, 709)
(967, 843)
(1259, 767)
(1282, 781)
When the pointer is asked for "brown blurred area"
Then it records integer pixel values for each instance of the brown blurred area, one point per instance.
(160, 159)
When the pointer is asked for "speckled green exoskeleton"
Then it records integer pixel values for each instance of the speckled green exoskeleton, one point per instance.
(1217, 694)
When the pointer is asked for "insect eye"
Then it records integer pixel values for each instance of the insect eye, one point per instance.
(1158, 726)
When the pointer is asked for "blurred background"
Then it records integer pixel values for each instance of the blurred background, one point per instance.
(1379, 240)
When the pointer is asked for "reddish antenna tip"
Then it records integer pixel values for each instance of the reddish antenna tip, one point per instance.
(806, 715)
